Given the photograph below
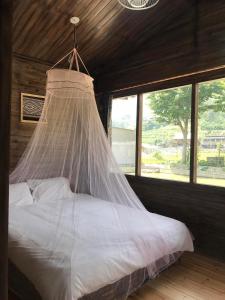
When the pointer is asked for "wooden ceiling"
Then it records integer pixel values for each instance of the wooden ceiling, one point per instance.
(107, 32)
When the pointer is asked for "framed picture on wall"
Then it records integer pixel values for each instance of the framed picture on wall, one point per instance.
(31, 107)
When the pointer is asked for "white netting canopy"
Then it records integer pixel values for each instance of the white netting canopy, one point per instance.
(70, 142)
(100, 232)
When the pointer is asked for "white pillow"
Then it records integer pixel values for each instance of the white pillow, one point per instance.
(50, 189)
(19, 194)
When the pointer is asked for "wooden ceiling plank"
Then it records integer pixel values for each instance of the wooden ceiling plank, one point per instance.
(126, 21)
(108, 33)
(91, 23)
(121, 47)
(116, 41)
(18, 12)
(97, 31)
(65, 34)
(19, 20)
(47, 36)
(41, 32)
(28, 22)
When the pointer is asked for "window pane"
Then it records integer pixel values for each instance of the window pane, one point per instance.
(211, 133)
(123, 132)
(166, 134)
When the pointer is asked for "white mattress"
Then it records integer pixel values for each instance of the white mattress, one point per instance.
(97, 263)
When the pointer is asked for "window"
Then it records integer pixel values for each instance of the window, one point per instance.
(123, 132)
(211, 133)
(180, 133)
(165, 149)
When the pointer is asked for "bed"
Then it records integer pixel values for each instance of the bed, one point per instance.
(102, 270)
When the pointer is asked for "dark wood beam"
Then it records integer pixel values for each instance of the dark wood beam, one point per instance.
(139, 134)
(5, 90)
(33, 59)
(194, 134)
(105, 109)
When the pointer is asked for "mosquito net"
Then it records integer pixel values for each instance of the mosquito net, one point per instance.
(100, 232)
(69, 141)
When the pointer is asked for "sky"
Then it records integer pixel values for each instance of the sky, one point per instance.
(123, 108)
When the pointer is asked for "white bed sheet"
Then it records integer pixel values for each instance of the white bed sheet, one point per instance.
(97, 265)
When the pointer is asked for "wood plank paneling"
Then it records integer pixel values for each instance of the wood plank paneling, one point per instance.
(201, 207)
(106, 33)
(194, 41)
(193, 277)
(5, 89)
(28, 77)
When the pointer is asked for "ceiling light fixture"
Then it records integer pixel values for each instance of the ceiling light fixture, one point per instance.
(138, 4)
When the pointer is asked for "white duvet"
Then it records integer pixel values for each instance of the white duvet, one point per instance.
(108, 244)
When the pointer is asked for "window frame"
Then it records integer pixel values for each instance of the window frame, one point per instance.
(194, 80)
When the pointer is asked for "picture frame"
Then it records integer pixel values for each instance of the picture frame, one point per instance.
(31, 107)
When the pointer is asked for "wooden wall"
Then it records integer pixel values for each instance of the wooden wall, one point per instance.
(202, 208)
(195, 41)
(192, 43)
(27, 77)
(5, 89)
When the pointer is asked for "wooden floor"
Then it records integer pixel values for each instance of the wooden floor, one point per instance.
(195, 277)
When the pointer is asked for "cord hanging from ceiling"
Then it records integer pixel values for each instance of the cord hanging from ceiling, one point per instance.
(73, 54)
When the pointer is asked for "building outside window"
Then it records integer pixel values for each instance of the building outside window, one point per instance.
(123, 132)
